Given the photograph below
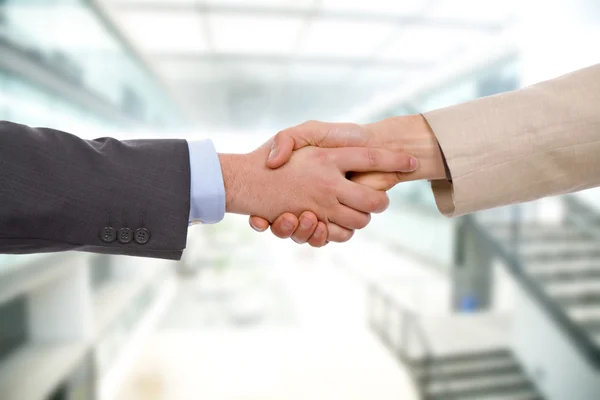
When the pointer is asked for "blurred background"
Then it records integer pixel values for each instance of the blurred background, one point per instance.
(503, 304)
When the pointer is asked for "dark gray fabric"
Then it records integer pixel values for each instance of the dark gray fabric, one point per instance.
(57, 192)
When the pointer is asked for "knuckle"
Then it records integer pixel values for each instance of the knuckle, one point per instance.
(373, 157)
(397, 177)
(329, 187)
(378, 203)
(384, 202)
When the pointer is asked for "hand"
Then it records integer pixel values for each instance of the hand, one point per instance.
(409, 134)
(314, 179)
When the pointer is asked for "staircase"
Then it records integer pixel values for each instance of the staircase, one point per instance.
(557, 264)
(565, 261)
(450, 357)
(484, 375)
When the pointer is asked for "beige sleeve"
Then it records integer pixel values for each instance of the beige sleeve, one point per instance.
(539, 141)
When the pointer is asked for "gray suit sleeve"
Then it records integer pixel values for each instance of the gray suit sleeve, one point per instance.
(59, 192)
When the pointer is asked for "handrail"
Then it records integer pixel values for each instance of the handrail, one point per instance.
(409, 323)
(582, 341)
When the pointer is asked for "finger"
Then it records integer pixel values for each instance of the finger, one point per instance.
(349, 218)
(338, 234)
(364, 159)
(258, 224)
(379, 180)
(308, 224)
(319, 237)
(284, 226)
(362, 198)
(314, 133)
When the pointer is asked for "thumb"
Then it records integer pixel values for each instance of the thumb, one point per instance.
(314, 133)
(281, 149)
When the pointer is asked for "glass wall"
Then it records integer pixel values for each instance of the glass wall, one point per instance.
(23, 102)
(71, 40)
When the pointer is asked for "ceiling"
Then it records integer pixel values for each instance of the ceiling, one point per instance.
(268, 64)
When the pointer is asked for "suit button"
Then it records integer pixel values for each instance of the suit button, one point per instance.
(142, 236)
(125, 235)
(108, 234)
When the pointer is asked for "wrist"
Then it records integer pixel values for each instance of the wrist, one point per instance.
(413, 135)
(232, 167)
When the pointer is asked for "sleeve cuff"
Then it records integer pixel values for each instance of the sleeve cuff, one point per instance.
(207, 190)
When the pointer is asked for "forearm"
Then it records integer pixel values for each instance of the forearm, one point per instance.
(60, 192)
(519, 146)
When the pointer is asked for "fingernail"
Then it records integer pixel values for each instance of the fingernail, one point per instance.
(287, 224)
(413, 164)
(305, 223)
(257, 229)
(273, 152)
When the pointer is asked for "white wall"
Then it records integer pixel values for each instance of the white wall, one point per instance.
(558, 368)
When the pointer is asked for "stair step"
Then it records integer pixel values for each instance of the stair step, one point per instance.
(572, 287)
(591, 325)
(478, 388)
(525, 394)
(561, 265)
(590, 298)
(581, 208)
(467, 370)
(466, 359)
(588, 319)
(567, 273)
(585, 250)
(584, 313)
(539, 233)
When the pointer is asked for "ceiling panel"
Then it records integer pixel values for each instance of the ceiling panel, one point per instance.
(194, 71)
(344, 39)
(155, 2)
(178, 71)
(475, 10)
(420, 44)
(281, 4)
(165, 31)
(375, 6)
(318, 73)
(382, 76)
(253, 34)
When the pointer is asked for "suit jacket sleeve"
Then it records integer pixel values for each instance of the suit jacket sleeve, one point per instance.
(59, 192)
(519, 146)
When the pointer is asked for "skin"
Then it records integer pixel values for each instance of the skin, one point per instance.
(313, 179)
(403, 135)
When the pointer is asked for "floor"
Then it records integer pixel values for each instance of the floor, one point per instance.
(297, 331)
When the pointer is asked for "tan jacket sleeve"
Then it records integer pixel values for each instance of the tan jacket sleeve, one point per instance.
(539, 141)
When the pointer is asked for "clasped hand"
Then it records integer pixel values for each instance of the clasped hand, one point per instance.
(307, 195)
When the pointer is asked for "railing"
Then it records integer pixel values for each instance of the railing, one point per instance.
(398, 327)
(476, 239)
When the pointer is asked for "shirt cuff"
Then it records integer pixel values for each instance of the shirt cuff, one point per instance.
(207, 191)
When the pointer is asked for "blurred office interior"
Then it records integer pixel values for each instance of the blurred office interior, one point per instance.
(503, 304)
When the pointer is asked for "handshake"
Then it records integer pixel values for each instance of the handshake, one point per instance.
(319, 182)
